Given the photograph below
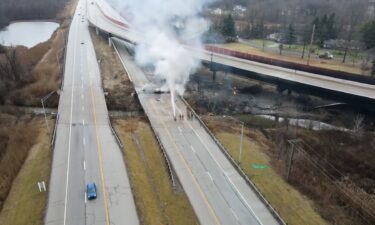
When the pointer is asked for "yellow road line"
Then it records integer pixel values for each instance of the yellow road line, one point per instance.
(188, 168)
(99, 149)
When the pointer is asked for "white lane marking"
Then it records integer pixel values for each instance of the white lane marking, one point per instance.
(83, 122)
(84, 165)
(70, 135)
(193, 149)
(82, 96)
(208, 173)
(85, 197)
(83, 108)
(84, 141)
(179, 128)
(226, 176)
(234, 214)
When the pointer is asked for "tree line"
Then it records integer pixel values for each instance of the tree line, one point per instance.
(351, 21)
(28, 10)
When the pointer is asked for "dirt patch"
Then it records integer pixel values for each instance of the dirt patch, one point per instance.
(156, 201)
(119, 91)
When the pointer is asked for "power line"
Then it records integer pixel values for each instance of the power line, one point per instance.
(334, 181)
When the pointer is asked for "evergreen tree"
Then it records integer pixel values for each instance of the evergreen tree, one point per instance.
(331, 32)
(291, 37)
(368, 34)
(322, 30)
(228, 27)
(325, 28)
(246, 32)
(318, 25)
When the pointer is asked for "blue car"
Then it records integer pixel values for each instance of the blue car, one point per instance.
(91, 191)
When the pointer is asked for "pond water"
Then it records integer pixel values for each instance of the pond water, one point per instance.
(27, 34)
(305, 123)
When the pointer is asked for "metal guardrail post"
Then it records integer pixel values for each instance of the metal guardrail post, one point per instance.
(114, 133)
(165, 157)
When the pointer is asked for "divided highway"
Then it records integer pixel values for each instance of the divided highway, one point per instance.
(217, 192)
(85, 148)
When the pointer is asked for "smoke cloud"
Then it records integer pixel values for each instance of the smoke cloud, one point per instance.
(166, 25)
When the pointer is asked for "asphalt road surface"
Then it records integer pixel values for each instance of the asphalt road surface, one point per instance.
(85, 149)
(107, 20)
(217, 192)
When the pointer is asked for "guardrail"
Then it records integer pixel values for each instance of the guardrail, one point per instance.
(115, 133)
(62, 75)
(260, 195)
(169, 165)
(54, 131)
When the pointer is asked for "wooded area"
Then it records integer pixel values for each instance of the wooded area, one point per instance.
(28, 10)
(348, 20)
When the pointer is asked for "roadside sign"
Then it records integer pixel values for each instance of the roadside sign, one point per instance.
(42, 186)
(259, 166)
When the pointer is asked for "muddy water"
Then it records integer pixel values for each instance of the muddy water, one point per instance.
(305, 123)
(27, 34)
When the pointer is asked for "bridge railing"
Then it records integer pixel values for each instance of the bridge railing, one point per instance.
(260, 195)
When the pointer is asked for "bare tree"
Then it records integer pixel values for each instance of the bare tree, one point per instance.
(10, 67)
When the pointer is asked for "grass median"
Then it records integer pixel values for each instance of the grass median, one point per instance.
(156, 201)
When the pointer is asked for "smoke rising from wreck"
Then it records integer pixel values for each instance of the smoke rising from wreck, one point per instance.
(165, 26)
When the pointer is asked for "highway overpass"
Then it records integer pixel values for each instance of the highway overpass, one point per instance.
(109, 21)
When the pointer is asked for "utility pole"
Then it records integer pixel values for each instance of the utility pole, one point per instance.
(45, 116)
(241, 139)
(290, 162)
(311, 42)
(42, 100)
(291, 155)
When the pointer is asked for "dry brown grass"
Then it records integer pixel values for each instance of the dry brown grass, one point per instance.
(294, 207)
(24, 204)
(156, 201)
(19, 135)
(115, 80)
(42, 65)
(333, 64)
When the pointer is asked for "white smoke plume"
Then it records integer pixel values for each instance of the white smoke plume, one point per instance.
(166, 25)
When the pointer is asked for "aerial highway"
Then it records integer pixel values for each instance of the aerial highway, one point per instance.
(108, 20)
(217, 192)
(85, 149)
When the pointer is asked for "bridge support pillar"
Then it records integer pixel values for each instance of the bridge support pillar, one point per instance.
(96, 31)
(109, 42)
(214, 75)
